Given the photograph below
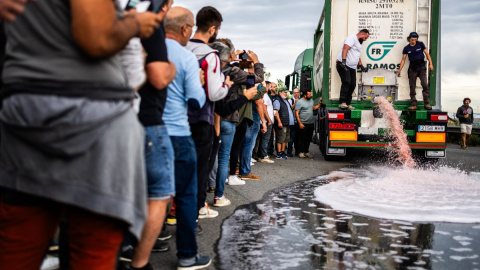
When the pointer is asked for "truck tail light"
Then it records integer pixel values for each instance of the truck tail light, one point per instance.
(336, 116)
(424, 137)
(439, 117)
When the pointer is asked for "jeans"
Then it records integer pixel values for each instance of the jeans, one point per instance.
(159, 163)
(237, 144)
(349, 81)
(263, 149)
(227, 133)
(212, 176)
(248, 144)
(186, 195)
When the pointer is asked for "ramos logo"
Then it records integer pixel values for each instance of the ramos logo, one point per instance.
(376, 51)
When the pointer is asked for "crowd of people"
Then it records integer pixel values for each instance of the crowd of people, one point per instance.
(117, 120)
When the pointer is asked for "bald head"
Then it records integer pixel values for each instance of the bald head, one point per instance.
(178, 24)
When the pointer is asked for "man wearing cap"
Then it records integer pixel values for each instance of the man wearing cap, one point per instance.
(347, 62)
(416, 52)
(283, 121)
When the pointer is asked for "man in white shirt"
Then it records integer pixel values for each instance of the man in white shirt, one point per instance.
(347, 61)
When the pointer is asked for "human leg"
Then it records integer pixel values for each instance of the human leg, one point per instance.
(424, 83)
(240, 131)
(247, 148)
(308, 137)
(186, 196)
(412, 81)
(27, 225)
(265, 139)
(345, 79)
(227, 134)
(352, 73)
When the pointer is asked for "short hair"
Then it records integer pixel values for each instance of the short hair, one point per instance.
(467, 99)
(174, 24)
(208, 17)
(223, 50)
(267, 82)
(305, 92)
(364, 31)
(227, 42)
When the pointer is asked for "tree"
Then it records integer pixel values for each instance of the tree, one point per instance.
(280, 84)
(267, 74)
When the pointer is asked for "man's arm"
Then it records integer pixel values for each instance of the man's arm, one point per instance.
(99, 33)
(345, 51)
(429, 59)
(9, 9)
(161, 74)
(194, 92)
(267, 117)
(401, 64)
(277, 117)
(276, 108)
(297, 115)
(216, 87)
(259, 107)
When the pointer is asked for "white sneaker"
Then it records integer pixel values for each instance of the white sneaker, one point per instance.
(234, 180)
(206, 212)
(301, 155)
(308, 155)
(251, 163)
(50, 263)
(266, 160)
(343, 105)
(222, 201)
(253, 160)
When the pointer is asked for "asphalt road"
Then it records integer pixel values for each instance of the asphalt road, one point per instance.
(284, 172)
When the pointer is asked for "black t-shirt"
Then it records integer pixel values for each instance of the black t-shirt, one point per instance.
(153, 100)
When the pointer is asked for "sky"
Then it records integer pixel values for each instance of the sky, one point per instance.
(278, 31)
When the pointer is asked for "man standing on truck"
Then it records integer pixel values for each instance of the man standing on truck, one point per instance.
(347, 61)
(465, 117)
(415, 51)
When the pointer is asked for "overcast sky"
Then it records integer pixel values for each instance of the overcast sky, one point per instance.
(280, 30)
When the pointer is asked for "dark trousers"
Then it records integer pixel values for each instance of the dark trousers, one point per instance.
(293, 143)
(349, 82)
(203, 135)
(305, 137)
(185, 195)
(237, 144)
(413, 74)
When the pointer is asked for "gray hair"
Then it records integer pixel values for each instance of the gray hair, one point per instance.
(223, 50)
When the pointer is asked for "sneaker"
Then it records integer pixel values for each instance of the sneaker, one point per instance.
(427, 107)
(251, 163)
(126, 254)
(199, 263)
(206, 212)
(222, 201)
(250, 176)
(308, 155)
(253, 160)
(160, 246)
(279, 156)
(350, 107)
(284, 156)
(171, 219)
(234, 180)
(412, 108)
(211, 190)
(301, 155)
(50, 263)
(289, 155)
(53, 247)
(164, 235)
(343, 105)
(266, 160)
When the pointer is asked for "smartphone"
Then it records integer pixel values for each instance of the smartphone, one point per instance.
(250, 81)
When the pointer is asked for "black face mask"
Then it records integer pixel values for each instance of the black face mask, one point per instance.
(360, 40)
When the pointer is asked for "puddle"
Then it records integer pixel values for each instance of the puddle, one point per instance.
(290, 229)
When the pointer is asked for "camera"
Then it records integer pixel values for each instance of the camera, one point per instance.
(244, 56)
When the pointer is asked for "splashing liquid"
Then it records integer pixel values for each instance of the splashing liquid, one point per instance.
(404, 151)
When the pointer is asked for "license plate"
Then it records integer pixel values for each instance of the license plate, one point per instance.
(431, 128)
(379, 80)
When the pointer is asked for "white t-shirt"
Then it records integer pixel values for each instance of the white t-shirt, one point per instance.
(267, 101)
(353, 55)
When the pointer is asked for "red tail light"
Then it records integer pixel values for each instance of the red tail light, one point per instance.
(336, 116)
(439, 117)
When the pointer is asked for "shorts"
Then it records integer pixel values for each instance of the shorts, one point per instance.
(159, 159)
(464, 128)
(282, 135)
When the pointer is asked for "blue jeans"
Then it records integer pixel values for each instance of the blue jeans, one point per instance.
(186, 195)
(293, 139)
(227, 133)
(248, 144)
(159, 163)
(264, 142)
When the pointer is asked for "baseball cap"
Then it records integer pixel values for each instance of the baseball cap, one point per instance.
(413, 34)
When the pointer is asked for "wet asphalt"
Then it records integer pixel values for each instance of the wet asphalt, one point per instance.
(275, 176)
